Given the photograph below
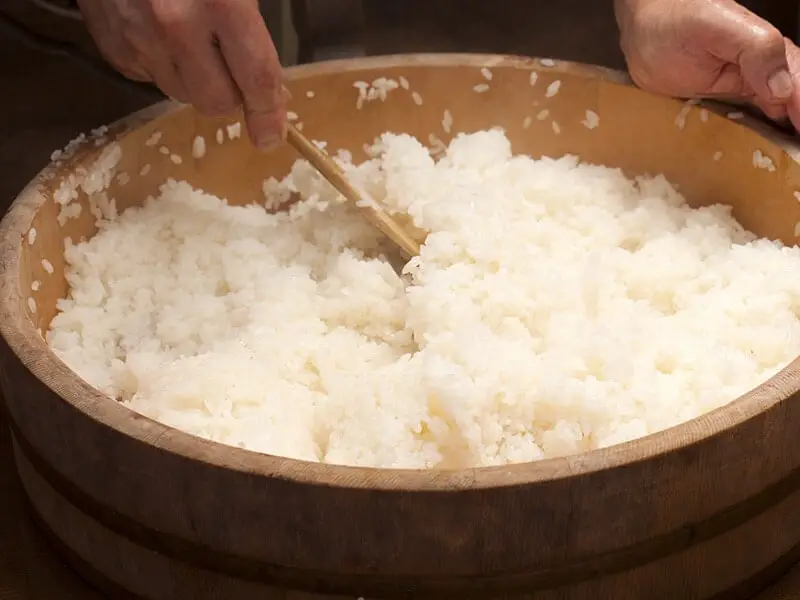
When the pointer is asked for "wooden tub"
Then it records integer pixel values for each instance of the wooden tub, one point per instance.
(710, 509)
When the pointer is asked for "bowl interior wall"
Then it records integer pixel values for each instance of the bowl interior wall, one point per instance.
(637, 132)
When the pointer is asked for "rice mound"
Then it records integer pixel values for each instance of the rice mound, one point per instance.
(556, 307)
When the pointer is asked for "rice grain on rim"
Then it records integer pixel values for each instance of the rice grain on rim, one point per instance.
(553, 89)
(592, 120)
(234, 130)
(154, 138)
(198, 147)
(762, 161)
(447, 121)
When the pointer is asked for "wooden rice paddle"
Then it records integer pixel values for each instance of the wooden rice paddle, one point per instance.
(336, 177)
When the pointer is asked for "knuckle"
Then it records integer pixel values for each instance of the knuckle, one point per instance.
(168, 13)
(768, 37)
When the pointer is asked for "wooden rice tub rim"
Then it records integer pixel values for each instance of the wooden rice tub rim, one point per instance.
(34, 353)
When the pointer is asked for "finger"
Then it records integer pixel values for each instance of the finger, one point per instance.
(135, 74)
(765, 70)
(207, 79)
(164, 74)
(730, 85)
(740, 37)
(94, 17)
(794, 115)
(793, 106)
(112, 46)
(775, 111)
(256, 69)
(204, 75)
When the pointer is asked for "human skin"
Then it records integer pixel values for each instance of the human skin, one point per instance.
(214, 54)
(710, 49)
(218, 55)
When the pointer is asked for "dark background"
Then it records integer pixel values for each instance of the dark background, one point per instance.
(45, 101)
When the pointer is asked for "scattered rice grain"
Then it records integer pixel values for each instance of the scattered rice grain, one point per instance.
(680, 120)
(69, 211)
(762, 161)
(553, 89)
(592, 120)
(234, 131)
(153, 139)
(447, 121)
(199, 147)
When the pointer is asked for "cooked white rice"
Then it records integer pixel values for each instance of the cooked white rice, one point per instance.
(556, 307)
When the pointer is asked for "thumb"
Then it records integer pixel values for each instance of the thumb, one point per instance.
(793, 106)
(755, 46)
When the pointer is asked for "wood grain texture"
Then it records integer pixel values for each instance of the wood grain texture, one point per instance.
(705, 510)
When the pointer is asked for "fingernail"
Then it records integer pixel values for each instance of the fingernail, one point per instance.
(287, 95)
(780, 84)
